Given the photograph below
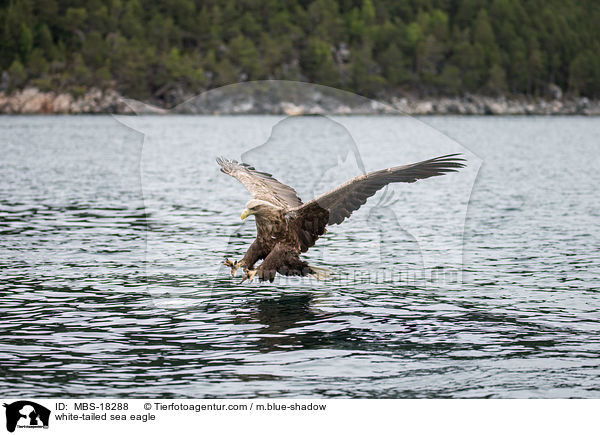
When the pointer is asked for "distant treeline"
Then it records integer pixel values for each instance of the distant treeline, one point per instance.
(150, 49)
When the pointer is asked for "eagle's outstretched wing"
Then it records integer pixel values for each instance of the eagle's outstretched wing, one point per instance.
(261, 185)
(338, 204)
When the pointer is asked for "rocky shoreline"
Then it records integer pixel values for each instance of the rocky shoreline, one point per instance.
(34, 101)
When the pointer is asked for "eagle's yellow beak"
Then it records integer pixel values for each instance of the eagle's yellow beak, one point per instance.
(245, 213)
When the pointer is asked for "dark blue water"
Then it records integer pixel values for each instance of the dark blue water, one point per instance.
(478, 284)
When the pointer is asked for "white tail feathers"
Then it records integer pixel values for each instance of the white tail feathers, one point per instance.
(319, 272)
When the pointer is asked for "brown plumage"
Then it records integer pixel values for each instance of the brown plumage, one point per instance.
(286, 227)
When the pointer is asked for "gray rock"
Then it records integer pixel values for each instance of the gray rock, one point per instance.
(32, 100)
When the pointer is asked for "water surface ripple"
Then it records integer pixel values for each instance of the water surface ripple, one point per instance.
(81, 244)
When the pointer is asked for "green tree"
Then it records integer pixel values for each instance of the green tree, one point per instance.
(584, 74)
(496, 83)
(148, 49)
(37, 65)
(17, 39)
(226, 73)
(17, 74)
(482, 30)
(25, 43)
(45, 42)
(366, 77)
(450, 80)
(395, 66)
(317, 62)
(94, 50)
(429, 56)
(244, 55)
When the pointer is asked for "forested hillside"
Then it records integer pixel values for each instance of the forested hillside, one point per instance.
(150, 49)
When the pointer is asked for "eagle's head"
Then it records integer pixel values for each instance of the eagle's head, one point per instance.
(260, 208)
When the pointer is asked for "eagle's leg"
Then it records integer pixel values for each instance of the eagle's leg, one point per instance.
(283, 259)
(254, 253)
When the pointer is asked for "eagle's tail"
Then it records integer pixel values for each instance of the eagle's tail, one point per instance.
(319, 272)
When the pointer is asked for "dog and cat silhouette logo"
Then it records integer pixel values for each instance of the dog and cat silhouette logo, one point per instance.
(26, 414)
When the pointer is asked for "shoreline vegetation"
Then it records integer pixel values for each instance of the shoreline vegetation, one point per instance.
(95, 101)
(501, 57)
(421, 57)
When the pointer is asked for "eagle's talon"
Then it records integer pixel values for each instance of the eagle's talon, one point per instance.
(249, 275)
(234, 265)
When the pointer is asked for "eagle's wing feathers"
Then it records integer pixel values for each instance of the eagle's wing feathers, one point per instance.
(339, 203)
(261, 185)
